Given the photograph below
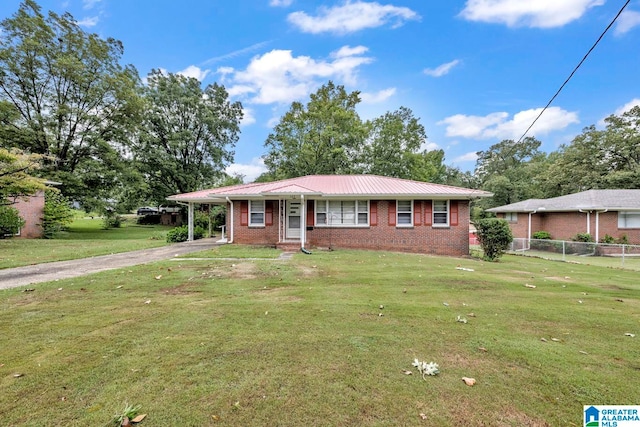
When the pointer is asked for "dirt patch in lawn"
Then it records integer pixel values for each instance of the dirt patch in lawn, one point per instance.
(183, 289)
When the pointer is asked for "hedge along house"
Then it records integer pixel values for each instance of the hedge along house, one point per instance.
(346, 211)
(597, 212)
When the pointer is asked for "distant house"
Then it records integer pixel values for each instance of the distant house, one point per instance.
(31, 209)
(596, 212)
(346, 211)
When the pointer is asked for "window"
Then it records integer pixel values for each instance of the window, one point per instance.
(342, 213)
(256, 212)
(405, 213)
(440, 213)
(628, 219)
(511, 216)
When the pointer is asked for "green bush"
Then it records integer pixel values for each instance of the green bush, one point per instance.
(582, 237)
(542, 235)
(494, 236)
(148, 220)
(10, 221)
(57, 213)
(607, 239)
(112, 220)
(622, 240)
(181, 234)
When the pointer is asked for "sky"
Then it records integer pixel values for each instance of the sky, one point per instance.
(475, 72)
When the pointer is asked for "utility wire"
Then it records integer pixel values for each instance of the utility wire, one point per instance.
(574, 70)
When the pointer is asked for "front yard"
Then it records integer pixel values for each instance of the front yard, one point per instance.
(322, 340)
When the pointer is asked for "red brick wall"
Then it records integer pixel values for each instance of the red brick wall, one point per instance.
(453, 240)
(565, 225)
(32, 211)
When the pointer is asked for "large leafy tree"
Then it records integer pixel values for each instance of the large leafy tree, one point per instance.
(67, 98)
(16, 175)
(512, 171)
(394, 149)
(325, 136)
(608, 158)
(187, 135)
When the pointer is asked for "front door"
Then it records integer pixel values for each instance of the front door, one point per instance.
(293, 219)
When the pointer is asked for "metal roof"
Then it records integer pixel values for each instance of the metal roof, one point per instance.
(366, 186)
(600, 200)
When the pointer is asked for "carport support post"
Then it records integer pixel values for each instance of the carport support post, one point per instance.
(190, 222)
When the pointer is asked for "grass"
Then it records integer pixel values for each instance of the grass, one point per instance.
(301, 342)
(85, 238)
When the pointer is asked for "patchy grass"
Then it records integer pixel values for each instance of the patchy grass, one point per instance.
(301, 342)
(85, 238)
(236, 251)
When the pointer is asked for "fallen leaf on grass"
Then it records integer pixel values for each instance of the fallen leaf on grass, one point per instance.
(555, 339)
(139, 418)
(619, 300)
(469, 381)
(404, 371)
(583, 352)
(119, 287)
(543, 339)
(18, 375)
(28, 290)
(59, 289)
(464, 269)
(482, 349)
(159, 277)
(526, 285)
(423, 416)
(629, 335)
(148, 301)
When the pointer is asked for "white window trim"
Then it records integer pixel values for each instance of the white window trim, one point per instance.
(511, 217)
(625, 213)
(263, 212)
(433, 214)
(404, 212)
(326, 212)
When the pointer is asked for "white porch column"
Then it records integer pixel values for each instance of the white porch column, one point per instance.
(190, 223)
(303, 221)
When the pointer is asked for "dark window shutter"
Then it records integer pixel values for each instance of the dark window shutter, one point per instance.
(428, 212)
(310, 213)
(244, 212)
(453, 209)
(268, 212)
(392, 212)
(373, 212)
(417, 212)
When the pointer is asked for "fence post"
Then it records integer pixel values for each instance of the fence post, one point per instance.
(563, 250)
(623, 255)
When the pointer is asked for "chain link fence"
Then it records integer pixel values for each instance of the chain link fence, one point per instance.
(602, 254)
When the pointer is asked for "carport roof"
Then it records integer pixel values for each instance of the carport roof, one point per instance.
(333, 186)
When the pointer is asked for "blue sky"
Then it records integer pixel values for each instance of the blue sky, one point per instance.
(475, 72)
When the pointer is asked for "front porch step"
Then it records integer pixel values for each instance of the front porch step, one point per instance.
(288, 246)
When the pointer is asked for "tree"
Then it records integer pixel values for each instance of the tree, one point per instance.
(323, 137)
(512, 171)
(187, 134)
(71, 100)
(608, 158)
(57, 213)
(10, 221)
(16, 175)
(494, 236)
(394, 148)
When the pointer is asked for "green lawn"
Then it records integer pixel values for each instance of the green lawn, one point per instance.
(301, 343)
(85, 238)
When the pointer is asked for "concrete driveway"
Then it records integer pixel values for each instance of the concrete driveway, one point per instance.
(28, 275)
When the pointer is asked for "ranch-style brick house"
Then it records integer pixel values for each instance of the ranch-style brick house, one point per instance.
(344, 211)
(596, 212)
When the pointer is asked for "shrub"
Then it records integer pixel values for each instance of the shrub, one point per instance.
(181, 234)
(582, 237)
(542, 235)
(112, 220)
(148, 220)
(623, 240)
(494, 235)
(10, 221)
(57, 213)
(607, 239)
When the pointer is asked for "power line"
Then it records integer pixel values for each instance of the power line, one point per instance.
(574, 70)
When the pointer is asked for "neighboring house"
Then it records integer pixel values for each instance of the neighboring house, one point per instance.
(31, 209)
(346, 211)
(596, 212)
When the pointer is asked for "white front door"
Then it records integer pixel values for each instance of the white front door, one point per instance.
(294, 209)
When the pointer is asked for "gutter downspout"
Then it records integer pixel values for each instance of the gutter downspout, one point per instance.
(230, 222)
(588, 220)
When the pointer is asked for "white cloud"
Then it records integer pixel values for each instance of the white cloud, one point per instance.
(467, 157)
(250, 171)
(498, 125)
(89, 4)
(377, 97)
(236, 53)
(346, 51)
(195, 72)
(248, 118)
(429, 146)
(351, 17)
(279, 77)
(627, 21)
(628, 106)
(441, 70)
(522, 13)
(89, 22)
(280, 3)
